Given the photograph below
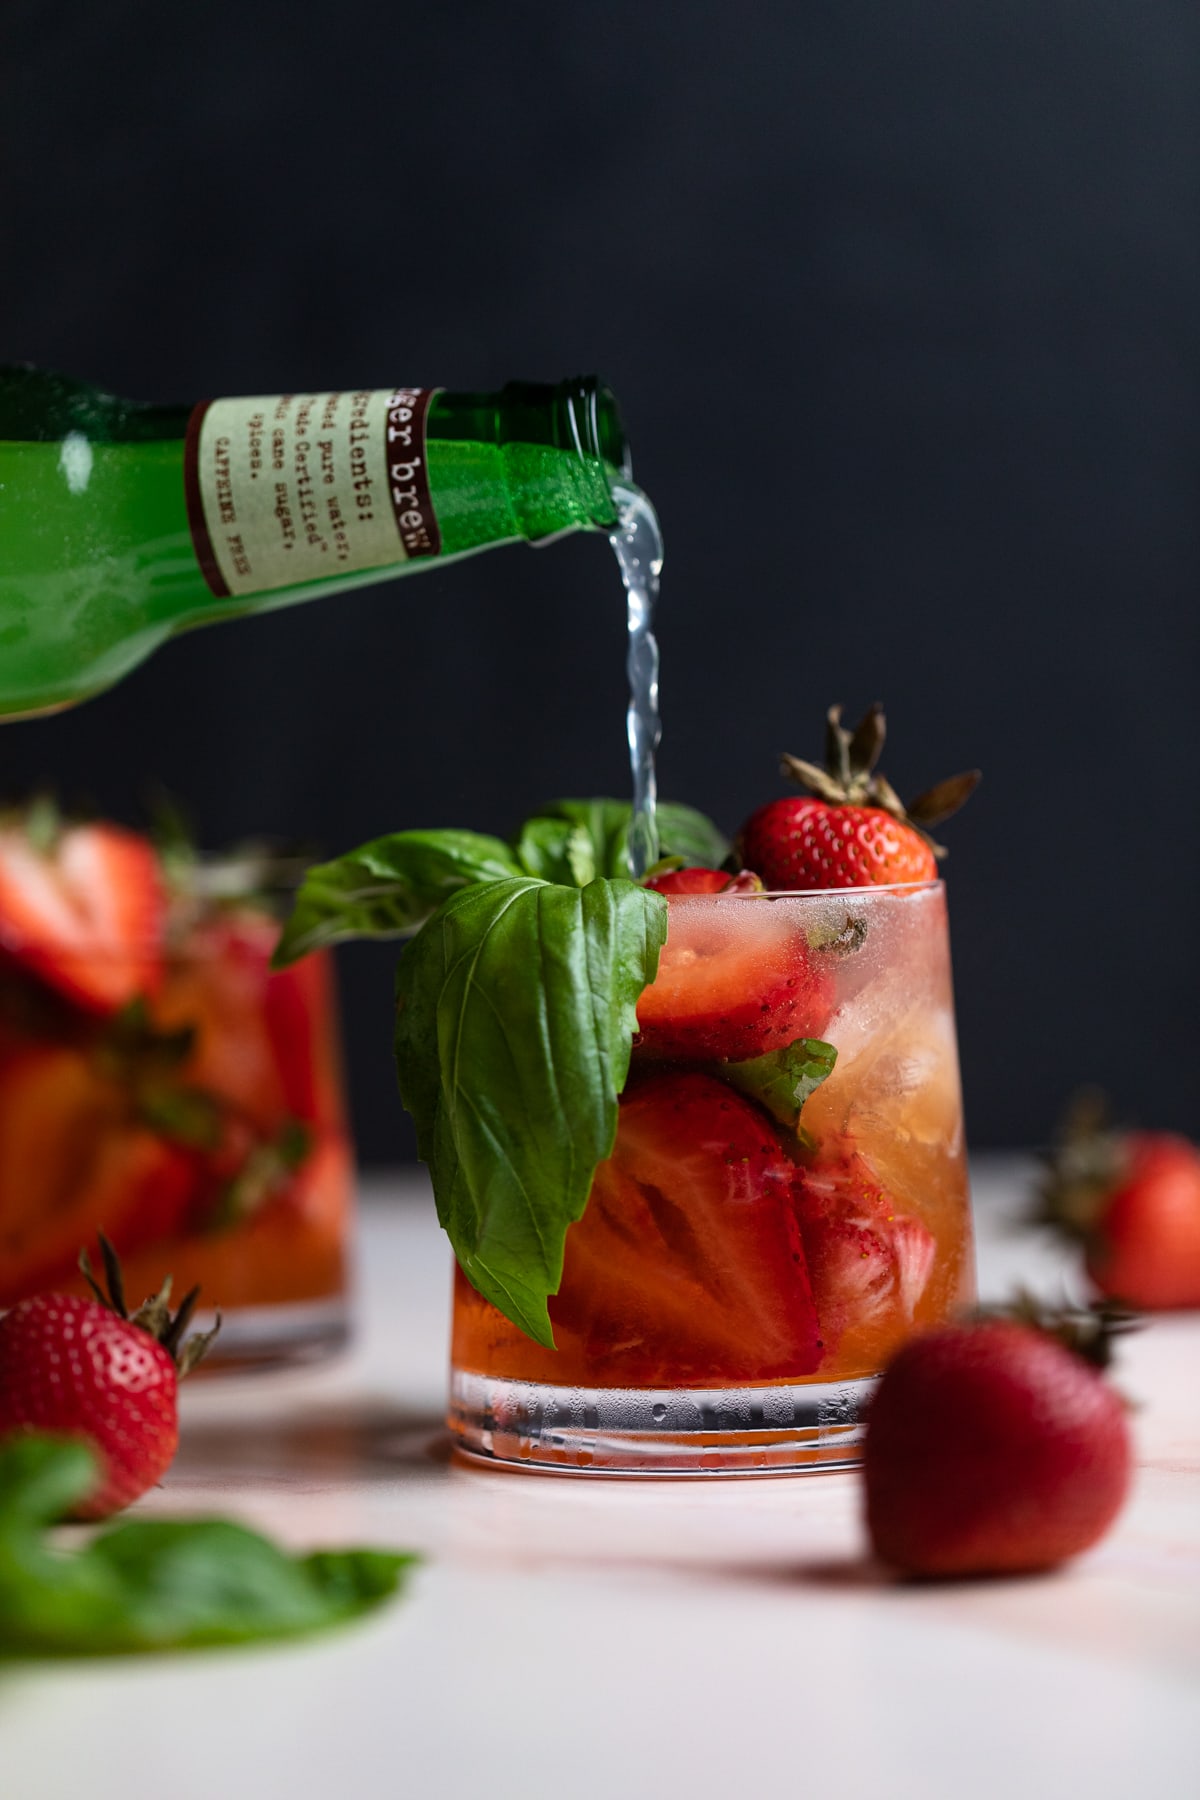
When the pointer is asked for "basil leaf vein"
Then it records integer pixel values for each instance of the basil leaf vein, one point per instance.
(516, 1011)
(389, 887)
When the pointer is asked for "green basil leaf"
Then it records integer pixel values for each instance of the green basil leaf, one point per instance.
(605, 825)
(185, 1115)
(682, 832)
(150, 1584)
(516, 1010)
(557, 850)
(41, 1478)
(782, 1080)
(389, 887)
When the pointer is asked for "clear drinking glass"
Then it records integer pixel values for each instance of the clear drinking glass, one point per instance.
(201, 1127)
(741, 1275)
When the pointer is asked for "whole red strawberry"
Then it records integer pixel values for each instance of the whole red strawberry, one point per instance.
(1133, 1199)
(851, 830)
(86, 1369)
(996, 1447)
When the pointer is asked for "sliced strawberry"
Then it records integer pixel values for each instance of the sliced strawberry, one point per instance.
(736, 978)
(84, 913)
(291, 1248)
(870, 1265)
(74, 1161)
(687, 1266)
(300, 1016)
(218, 985)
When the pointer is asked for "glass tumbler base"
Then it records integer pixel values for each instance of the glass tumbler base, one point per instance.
(282, 1335)
(798, 1428)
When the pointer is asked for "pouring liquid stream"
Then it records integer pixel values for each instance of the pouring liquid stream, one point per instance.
(637, 544)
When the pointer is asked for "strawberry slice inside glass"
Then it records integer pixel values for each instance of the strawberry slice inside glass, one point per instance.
(732, 984)
(688, 1259)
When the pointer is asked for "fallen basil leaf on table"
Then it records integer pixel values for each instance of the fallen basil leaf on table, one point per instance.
(157, 1584)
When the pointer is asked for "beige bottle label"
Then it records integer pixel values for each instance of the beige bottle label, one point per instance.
(288, 488)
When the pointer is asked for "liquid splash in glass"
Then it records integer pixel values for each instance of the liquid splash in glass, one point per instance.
(637, 543)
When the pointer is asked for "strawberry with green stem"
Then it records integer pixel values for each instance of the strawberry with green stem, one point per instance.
(93, 1371)
(1132, 1200)
(851, 829)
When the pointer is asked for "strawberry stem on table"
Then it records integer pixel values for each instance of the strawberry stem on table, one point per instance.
(1090, 1331)
(154, 1315)
(1080, 1173)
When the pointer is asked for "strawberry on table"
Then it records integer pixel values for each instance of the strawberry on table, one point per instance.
(851, 829)
(1132, 1198)
(86, 1369)
(996, 1447)
(688, 1263)
(81, 906)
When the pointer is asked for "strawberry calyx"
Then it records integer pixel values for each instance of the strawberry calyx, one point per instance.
(1089, 1160)
(849, 777)
(256, 873)
(1090, 1332)
(154, 1316)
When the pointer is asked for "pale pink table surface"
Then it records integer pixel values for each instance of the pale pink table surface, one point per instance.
(626, 1639)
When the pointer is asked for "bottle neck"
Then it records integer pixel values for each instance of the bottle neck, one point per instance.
(562, 447)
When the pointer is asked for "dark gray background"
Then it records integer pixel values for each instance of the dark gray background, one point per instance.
(900, 302)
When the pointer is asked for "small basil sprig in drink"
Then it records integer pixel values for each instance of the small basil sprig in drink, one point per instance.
(516, 1012)
(576, 840)
(389, 887)
(782, 1080)
(156, 1584)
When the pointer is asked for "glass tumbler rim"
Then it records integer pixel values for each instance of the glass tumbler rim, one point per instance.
(934, 885)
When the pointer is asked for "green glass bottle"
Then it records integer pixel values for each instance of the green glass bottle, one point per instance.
(122, 524)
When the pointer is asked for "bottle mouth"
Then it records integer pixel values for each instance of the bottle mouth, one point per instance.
(594, 422)
(580, 417)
